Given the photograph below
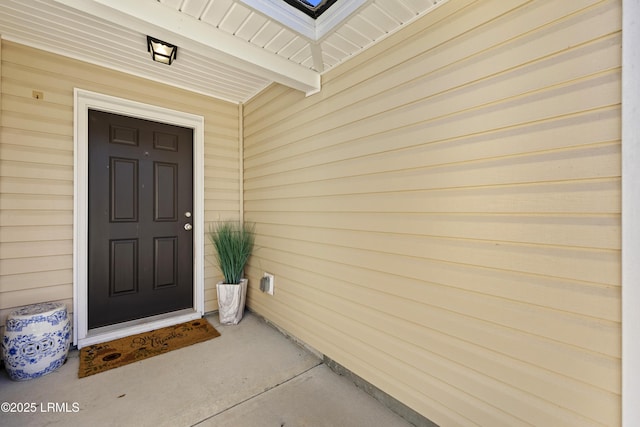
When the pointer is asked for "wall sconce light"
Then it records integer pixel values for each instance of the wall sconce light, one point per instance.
(161, 51)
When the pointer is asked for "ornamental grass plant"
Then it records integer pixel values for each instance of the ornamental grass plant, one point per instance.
(233, 243)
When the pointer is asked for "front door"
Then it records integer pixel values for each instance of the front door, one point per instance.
(140, 249)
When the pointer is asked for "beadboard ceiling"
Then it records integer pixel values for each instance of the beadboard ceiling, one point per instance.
(228, 49)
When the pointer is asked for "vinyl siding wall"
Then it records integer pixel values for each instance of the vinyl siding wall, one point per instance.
(36, 167)
(443, 218)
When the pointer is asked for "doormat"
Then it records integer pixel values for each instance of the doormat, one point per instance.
(113, 354)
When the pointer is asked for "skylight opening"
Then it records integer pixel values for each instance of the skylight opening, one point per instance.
(313, 8)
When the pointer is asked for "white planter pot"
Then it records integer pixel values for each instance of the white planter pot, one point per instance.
(231, 300)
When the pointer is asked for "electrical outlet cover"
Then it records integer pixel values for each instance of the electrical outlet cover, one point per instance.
(270, 283)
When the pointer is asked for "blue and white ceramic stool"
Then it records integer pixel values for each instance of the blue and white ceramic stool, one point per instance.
(36, 340)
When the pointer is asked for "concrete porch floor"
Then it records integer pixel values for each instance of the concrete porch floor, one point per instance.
(251, 375)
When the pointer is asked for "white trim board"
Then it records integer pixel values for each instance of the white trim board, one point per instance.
(630, 213)
(155, 18)
(83, 101)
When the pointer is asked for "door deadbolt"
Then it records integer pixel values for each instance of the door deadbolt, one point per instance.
(187, 214)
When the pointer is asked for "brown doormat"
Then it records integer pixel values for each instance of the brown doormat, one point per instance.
(113, 354)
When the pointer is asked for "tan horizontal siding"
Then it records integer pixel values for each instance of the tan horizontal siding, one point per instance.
(443, 218)
(35, 280)
(42, 293)
(19, 250)
(36, 167)
(591, 232)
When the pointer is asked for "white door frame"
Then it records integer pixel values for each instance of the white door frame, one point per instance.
(83, 101)
(630, 213)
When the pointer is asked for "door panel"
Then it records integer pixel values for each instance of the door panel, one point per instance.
(165, 262)
(123, 174)
(123, 267)
(164, 189)
(140, 185)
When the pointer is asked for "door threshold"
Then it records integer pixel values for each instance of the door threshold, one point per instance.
(132, 327)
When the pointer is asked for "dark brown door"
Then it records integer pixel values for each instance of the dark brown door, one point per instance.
(140, 260)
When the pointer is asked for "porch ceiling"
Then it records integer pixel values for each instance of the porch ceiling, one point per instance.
(229, 49)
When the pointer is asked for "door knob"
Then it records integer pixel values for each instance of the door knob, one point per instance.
(188, 226)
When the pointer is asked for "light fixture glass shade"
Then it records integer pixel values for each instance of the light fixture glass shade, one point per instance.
(162, 52)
